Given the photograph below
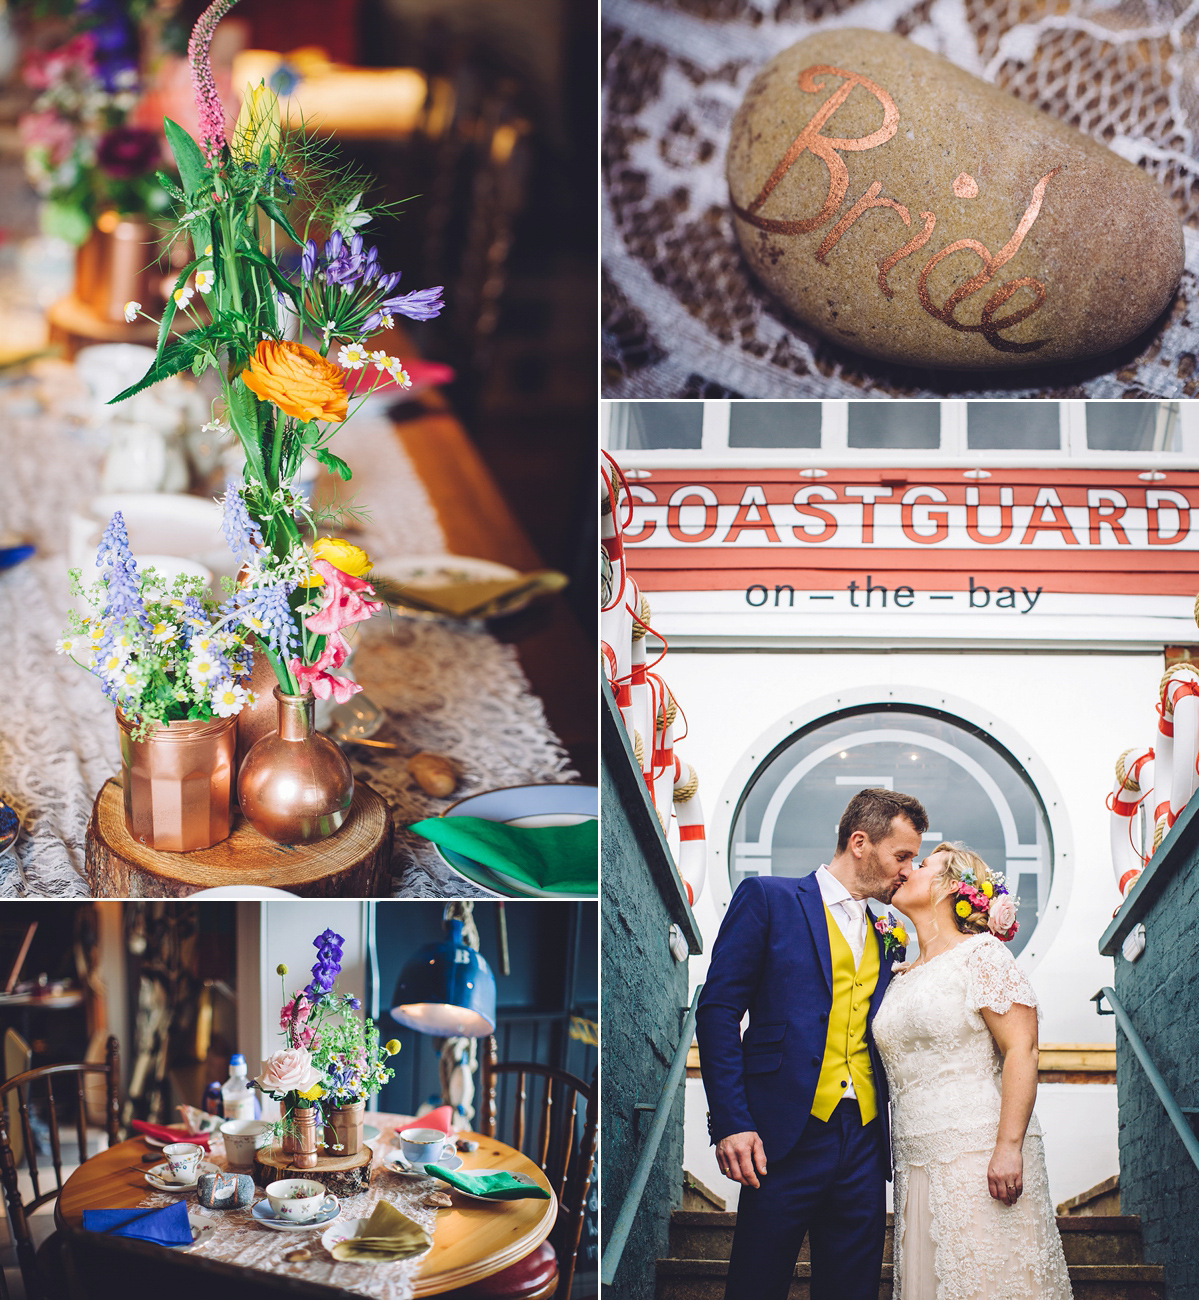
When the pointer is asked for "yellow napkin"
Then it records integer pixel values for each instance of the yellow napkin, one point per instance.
(388, 1236)
(472, 599)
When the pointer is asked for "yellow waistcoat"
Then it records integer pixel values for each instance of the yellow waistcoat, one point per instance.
(846, 1055)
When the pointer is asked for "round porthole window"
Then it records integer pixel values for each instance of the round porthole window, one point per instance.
(974, 790)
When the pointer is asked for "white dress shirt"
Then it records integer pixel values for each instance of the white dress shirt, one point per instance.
(850, 915)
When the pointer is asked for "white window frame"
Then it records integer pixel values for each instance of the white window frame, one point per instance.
(1073, 451)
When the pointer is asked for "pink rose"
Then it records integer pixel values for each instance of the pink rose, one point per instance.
(289, 1070)
(1002, 915)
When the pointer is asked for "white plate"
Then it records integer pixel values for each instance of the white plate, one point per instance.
(343, 1230)
(330, 1209)
(520, 805)
(394, 1160)
(202, 1228)
(154, 1178)
(489, 1200)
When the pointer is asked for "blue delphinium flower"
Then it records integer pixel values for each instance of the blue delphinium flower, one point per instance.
(119, 572)
(328, 947)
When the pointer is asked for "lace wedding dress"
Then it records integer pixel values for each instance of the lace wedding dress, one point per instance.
(953, 1241)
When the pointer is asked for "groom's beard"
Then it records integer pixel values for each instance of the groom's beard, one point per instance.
(873, 878)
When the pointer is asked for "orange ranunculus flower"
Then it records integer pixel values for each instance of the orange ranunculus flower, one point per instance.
(298, 380)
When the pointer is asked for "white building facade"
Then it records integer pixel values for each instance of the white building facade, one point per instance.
(970, 601)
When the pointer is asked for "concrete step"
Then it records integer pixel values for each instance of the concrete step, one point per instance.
(703, 1279)
(1086, 1239)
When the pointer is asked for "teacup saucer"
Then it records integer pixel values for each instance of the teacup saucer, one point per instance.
(155, 1177)
(202, 1227)
(394, 1160)
(330, 1209)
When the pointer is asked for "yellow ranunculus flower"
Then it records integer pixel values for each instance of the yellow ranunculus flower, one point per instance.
(901, 935)
(963, 908)
(988, 889)
(299, 381)
(257, 124)
(341, 555)
(315, 1093)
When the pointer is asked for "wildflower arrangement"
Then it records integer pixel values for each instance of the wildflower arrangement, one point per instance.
(895, 937)
(987, 902)
(162, 653)
(323, 1061)
(236, 310)
(81, 154)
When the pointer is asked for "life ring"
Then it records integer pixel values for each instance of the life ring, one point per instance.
(693, 845)
(1181, 698)
(1134, 785)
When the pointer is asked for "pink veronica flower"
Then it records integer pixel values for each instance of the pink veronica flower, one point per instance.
(208, 102)
(317, 678)
(345, 604)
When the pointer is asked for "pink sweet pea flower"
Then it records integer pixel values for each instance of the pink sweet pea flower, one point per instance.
(317, 678)
(345, 603)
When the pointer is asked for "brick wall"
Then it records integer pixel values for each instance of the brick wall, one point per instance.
(643, 1002)
(1158, 1180)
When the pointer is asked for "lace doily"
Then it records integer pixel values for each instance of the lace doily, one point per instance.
(448, 687)
(683, 317)
(238, 1239)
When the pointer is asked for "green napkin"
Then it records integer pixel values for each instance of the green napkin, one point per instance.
(495, 1187)
(561, 859)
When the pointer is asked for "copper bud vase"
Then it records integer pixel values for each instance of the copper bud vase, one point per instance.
(295, 785)
(177, 783)
(260, 718)
(299, 1138)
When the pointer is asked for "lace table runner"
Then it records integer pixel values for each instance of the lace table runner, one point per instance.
(683, 316)
(238, 1239)
(448, 687)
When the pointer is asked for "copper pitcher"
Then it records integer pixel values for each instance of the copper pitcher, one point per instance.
(177, 783)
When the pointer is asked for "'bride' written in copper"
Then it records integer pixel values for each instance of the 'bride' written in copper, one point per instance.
(829, 150)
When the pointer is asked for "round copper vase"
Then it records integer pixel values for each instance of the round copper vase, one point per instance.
(177, 783)
(295, 786)
(346, 1123)
(299, 1138)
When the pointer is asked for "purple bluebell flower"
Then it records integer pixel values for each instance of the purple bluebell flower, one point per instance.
(420, 304)
(241, 532)
(270, 607)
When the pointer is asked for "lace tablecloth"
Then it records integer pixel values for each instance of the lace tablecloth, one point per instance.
(683, 317)
(448, 687)
(238, 1239)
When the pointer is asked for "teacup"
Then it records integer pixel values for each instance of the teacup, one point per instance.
(184, 1161)
(242, 1138)
(425, 1146)
(297, 1199)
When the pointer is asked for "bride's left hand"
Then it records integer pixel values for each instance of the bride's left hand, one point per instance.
(1005, 1173)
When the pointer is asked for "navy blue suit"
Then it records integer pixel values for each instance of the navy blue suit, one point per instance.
(772, 957)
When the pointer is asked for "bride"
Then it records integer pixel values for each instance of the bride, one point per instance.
(957, 1033)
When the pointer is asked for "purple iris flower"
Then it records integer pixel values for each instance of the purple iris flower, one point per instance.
(420, 304)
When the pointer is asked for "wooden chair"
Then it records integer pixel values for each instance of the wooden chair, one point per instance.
(565, 1158)
(22, 1086)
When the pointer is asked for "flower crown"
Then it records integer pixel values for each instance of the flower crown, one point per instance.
(992, 899)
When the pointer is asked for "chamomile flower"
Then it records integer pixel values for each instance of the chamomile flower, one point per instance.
(68, 645)
(387, 321)
(352, 357)
(203, 668)
(381, 359)
(113, 664)
(182, 294)
(132, 307)
(164, 633)
(204, 281)
(227, 699)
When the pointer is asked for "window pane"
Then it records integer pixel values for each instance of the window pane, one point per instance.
(895, 424)
(639, 425)
(998, 426)
(1131, 426)
(974, 792)
(774, 424)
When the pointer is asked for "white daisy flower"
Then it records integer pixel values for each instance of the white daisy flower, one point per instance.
(203, 668)
(205, 281)
(182, 295)
(388, 321)
(352, 357)
(164, 633)
(381, 359)
(396, 370)
(132, 307)
(66, 646)
(227, 699)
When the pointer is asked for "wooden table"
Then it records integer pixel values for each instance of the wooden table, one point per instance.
(471, 1240)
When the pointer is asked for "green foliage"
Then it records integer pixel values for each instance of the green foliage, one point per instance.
(193, 170)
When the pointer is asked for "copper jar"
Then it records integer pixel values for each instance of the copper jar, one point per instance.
(299, 1138)
(178, 782)
(295, 785)
(346, 1123)
(118, 262)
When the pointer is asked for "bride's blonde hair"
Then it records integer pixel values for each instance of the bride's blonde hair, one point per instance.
(961, 864)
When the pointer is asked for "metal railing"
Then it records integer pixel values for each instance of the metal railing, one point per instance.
(1177, 1114)
(632, 1200)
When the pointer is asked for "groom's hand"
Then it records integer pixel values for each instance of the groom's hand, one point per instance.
(742, 1157)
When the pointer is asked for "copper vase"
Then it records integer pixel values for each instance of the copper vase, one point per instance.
(177, 783)
(299, 1138)
(118, 262)
(260, 718)
(295, 786)
(347, 1125)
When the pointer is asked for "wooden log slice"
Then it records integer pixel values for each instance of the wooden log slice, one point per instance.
(353, 863)
(341, 1175)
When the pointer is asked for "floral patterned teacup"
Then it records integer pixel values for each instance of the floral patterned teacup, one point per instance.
(297, 1199)
(184, 1160)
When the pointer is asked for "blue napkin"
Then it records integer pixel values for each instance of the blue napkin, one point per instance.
(168, 1226)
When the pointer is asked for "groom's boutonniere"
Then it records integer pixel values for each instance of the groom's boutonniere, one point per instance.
(895, 937)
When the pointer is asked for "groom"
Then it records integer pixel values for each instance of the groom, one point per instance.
(798, 1107)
